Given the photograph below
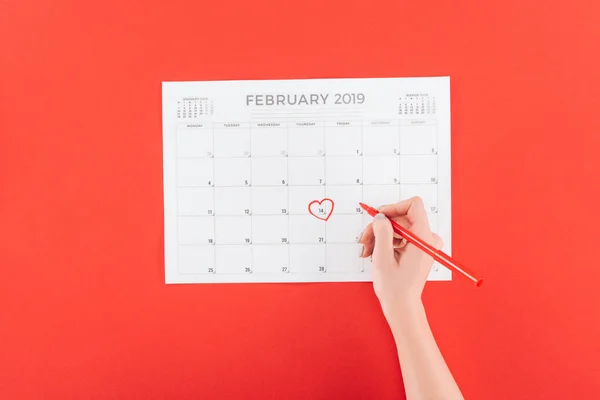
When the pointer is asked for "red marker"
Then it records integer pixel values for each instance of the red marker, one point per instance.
(437, 255)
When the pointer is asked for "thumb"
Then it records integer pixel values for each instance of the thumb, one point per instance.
(383, 252)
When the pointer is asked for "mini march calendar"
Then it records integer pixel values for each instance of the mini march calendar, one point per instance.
(263, 179)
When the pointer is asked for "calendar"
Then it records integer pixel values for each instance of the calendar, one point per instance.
(263, 179)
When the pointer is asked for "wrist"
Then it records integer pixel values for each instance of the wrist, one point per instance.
(399, 314)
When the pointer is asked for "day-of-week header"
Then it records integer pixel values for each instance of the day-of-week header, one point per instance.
(351, 123)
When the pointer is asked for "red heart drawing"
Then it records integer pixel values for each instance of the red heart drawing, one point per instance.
(317, 214)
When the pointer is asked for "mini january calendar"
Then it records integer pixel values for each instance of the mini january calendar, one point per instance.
(263, 179)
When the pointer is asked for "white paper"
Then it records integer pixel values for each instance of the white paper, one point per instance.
(246, 161)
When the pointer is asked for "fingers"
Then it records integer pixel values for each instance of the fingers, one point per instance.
(367, 249)
(399, 243)
(367, 238)
(383, 250)
(409, 213)
(413, 208)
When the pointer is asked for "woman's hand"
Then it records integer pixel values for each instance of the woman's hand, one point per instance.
(400, 269)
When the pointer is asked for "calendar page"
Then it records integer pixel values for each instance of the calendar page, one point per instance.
(263, 179)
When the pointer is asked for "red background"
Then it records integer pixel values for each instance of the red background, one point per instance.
(84, 311)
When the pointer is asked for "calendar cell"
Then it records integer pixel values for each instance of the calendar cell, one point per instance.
(307, 258)
(433, 222)
(344, 258)
(368, 265)
(269, 141)
(380, 195)
(306, 170)
(343, 228)
(366, 220)
(381, 140)
(269, 171)
(346, 198)
(270, 200)
(306, 229)
(195, 201)
(233, 259)
(418, 139)
(233, 230)
(427, 192)
(271, 229)
(196, 259)
(344, 170)
(233, 201)
(306, 139)
(270, 259)
(418, 169)
(320, 208)
(301, 196)
(194, 143)
(232, 142)
(195, 230)
(195, 172)
(232, 172)
(343, 140)
(381, 170)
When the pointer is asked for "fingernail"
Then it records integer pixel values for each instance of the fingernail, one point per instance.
(380, 216)
(362, 250)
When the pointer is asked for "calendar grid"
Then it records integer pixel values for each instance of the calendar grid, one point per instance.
(244, 149)
(336, 184)
(362, 181)
(399, 164)
(214, 221)
(437, 169)
(251, 196)
(325, 180)
(271, 157)
(177, 213)
(287, 210)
